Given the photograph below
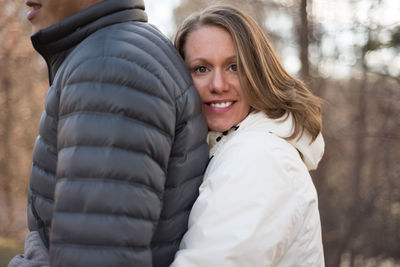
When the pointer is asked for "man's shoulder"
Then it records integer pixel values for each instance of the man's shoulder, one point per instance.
(129, 50)
(137, 42)
(132, 34)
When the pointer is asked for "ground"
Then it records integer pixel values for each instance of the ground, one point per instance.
(9, 247)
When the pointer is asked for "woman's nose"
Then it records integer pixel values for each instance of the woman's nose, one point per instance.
(218, 83)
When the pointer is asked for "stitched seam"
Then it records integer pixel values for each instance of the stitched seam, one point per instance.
(46, 143)
(91, 247)
(154, 38)
(117, 85)
(37, 194)
(110, 180)
(104, 113)
(149, 220)
(119, 58)
(117, 148)
(166, 242)
(46, 171)
(195, 147)
(186, 210)
(186, 181)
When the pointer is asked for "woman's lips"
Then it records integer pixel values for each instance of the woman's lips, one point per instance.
(35, 9)
(220, 106)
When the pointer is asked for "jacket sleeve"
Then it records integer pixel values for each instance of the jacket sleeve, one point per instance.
(250, 209)
(188, 160)
(35, 253)
(115, 132)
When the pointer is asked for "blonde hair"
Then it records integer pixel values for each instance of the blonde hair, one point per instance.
(265, 83)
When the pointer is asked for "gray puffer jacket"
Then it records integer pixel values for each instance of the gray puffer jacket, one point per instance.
(121, 147)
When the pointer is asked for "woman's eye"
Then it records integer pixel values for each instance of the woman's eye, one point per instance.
(233, 67)
(200, 69)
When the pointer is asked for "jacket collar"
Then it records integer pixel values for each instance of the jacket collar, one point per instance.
(55, 42)
(311, 151)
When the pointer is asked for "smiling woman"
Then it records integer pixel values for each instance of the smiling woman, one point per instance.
(212, 60)
(257, 204)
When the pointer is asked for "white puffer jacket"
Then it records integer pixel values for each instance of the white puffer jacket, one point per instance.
(257, 205)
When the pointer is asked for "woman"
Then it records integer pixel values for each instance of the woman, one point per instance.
(257, 204)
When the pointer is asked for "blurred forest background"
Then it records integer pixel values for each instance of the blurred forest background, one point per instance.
(347, 51)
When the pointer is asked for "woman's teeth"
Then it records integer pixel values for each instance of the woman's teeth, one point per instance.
(221, 104)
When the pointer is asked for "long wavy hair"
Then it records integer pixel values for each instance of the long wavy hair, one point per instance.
(265, 83)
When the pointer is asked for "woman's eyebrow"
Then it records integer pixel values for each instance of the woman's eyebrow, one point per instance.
(231, 58)
(201, 59)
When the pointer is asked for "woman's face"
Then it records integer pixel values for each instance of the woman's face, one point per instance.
(211, 57)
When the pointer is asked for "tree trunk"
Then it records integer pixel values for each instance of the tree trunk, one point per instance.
(6, 187)
(304, 42)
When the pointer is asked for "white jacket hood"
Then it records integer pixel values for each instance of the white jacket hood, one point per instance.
(311, 151)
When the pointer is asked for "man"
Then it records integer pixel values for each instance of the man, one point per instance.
(121, 147)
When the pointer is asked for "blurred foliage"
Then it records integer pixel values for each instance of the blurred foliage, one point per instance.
(373, 44)
(22, 88)
(396, 38)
